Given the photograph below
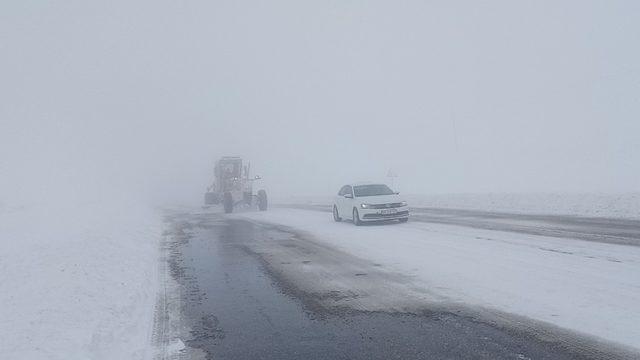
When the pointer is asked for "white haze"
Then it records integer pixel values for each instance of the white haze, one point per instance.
(119, 99)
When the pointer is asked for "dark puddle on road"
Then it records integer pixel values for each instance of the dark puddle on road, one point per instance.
(236, 310)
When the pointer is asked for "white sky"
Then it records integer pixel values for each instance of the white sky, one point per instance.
(141, 97)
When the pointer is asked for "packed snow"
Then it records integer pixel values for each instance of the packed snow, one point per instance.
(623, 205)
(77, 281)
(589, 287)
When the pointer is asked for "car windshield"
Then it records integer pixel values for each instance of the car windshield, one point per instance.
(372, 190)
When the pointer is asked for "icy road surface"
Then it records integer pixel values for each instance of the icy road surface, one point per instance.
(586, 286)
(291, 283)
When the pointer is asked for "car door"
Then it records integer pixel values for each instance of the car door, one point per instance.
(347, 202)
(340, 200)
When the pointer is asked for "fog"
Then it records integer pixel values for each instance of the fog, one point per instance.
(139, 98)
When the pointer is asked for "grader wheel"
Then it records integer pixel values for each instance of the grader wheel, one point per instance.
(262, 200)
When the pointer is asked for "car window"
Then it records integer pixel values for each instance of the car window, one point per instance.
(372, 190)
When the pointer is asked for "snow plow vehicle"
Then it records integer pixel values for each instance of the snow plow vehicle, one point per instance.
(232, 186)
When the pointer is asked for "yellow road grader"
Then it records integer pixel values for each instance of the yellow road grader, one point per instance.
(233, 187)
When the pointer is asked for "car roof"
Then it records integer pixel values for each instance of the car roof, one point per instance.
(365, 183)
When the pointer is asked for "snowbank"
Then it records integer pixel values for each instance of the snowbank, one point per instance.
(588, 287)
(626, 205)
(77, 281)
(589, 205)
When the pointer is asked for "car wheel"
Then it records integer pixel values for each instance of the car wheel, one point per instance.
(403, 220)
(356, 218)
(336, 216)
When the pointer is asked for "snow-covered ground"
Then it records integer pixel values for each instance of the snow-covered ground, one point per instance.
(589, 287)
(590, 205)
(78, 281)
(624, 205)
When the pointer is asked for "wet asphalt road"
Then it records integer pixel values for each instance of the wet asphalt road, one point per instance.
(604, 230)
(239, 303)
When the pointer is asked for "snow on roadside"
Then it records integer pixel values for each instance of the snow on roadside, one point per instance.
(589, 205)
(588, 287)
(78, 281)
(624, 205)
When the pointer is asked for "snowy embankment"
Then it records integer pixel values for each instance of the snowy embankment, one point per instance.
(588, 205)
(625, 205)
(588, 287)
(78, 282)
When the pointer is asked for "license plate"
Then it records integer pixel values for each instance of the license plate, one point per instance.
(388, 211)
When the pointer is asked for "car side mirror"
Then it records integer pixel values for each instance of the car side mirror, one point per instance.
(348, 196)
(257, 177)
(397, 192)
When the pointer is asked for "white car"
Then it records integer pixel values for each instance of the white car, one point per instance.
(363, 202)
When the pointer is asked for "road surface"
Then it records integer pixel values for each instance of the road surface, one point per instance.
(251, 290)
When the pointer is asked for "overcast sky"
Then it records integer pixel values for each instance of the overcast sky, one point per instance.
(141, 97)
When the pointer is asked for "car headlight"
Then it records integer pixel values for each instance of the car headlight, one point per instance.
(365, 206)
(403, 203)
